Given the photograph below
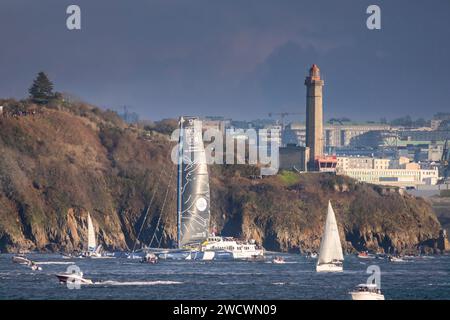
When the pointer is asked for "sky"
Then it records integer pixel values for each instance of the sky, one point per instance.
(240, 59)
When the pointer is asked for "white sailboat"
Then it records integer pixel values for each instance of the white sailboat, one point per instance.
(93, 249)
(92, 241)
(330, 255)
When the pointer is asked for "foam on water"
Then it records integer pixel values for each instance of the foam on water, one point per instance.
(55, 262)
(137, 283)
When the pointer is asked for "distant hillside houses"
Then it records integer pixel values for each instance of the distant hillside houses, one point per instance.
(391, 172)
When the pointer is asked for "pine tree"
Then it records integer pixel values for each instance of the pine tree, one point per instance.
(42, 89)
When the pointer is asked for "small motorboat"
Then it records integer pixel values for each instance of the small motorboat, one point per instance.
(363, 255)
(367, 292)
(26, 262)
(395, 259)
(278, 260)
(21, 260)
(312, 255)
(73, 277)
(150, 258)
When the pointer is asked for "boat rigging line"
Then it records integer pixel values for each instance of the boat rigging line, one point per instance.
(161, 213)
(148, 208)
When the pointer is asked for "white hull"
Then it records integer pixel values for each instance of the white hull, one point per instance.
(74, 278)
(329, 267)
(208, 255)
(247, 254)
(238, 249)
(101, 257)
(21, 260)
(366, 296)
(393, 259)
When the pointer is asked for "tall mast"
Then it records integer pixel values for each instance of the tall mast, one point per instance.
(179, 182)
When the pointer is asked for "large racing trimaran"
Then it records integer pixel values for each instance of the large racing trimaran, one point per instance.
(194, 241)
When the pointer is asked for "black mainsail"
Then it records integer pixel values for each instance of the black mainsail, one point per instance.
(193, 209)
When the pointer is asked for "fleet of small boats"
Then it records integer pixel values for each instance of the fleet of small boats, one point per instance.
(193, 222)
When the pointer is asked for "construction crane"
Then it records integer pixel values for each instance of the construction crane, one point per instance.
(283, 115)
(445, 162)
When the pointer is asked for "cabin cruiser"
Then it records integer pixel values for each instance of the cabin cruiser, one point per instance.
(330, 255)
(238, 249)
(367, 292)
(73, 277)
(214, 248)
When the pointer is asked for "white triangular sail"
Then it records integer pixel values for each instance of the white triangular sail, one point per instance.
(330, 246)
(92, 243)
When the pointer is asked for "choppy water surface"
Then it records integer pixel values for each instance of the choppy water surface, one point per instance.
(417, 278)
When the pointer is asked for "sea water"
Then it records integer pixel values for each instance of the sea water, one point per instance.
(426, 277)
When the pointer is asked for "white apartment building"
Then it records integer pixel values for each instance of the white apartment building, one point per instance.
(399, 172)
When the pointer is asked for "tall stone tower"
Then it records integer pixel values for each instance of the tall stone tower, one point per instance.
(314, 116)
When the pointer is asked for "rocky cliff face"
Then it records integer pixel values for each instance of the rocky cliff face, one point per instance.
(290, 216)
(59, 164)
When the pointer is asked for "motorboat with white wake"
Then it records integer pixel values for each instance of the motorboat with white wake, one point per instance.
(76, 278)
(22, 260)
(330, 254)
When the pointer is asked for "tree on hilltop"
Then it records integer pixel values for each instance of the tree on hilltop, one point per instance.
(42, 89)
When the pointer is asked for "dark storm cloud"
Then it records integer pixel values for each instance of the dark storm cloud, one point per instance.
(241, 59)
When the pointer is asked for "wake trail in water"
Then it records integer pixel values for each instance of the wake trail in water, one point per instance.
(55, 262)
(136, 283)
